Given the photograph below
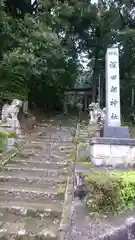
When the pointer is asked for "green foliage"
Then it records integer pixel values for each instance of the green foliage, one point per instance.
(7, 135)
(41, 46)
(85, 161)
(3, 134)
(110, 191)
(1, 145)
(73, 156)
(3, 137)
(34, 63)
(12, 135)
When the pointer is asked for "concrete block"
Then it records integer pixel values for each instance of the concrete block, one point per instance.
(111, 152)
(83, 150)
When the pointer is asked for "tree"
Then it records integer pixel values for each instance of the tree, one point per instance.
(41, 45)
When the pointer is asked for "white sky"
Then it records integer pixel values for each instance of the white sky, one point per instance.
(94, 1)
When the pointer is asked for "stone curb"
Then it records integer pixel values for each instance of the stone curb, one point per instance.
(77, 132)
(15, 153)
(66, 209)
(66, 213)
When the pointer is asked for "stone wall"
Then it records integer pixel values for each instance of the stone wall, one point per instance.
(112, 153)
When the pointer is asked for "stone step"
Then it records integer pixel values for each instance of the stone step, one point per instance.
(28, 229)
(36, 164)
(31, 151)
(45, 201)
(36, 210)
(25, 155)
(66, 147)
(37, 141)
(40, 141)
(45, 158)
(55, 139)
(44, 181)
(36, 172)
(35, 145)
(83, 132)
(32, 183)
(58, 147)
(48, 142)
(48, 138)
(52, 156)
(59, 154)
(22, 167)
(46, 153)
(66, 151)
(27, 193)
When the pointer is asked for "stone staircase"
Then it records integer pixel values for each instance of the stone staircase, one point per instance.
(33, 185)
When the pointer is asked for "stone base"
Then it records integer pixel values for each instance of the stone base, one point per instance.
(115, 132)
(112, 151)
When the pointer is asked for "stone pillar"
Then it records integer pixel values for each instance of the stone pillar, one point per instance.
(113, 87)
(112, 128)
(25, 106)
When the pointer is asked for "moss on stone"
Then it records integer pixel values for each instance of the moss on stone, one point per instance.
(61, 189)
(78, 140)
(2, 142)
(73, 156)
(83, 146)
(7, 135)
(85, 161)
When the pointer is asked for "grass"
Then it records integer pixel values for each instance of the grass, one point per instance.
(3, 137)
(6, 134)
(78, 140)
(110, 192)
(73, 156)
(2, 144)
(85, 161)
(61, 189)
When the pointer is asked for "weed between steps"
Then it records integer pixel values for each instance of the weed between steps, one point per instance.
(61, 189)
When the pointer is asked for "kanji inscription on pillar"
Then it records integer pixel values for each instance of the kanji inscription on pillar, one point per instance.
(113, 87)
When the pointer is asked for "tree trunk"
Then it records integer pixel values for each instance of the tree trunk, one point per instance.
(94, 88)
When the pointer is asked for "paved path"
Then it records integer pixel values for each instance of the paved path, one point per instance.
(32, 187)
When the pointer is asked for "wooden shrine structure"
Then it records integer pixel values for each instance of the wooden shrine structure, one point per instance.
(77, 95)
